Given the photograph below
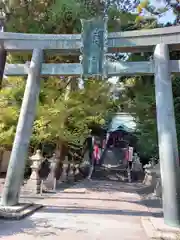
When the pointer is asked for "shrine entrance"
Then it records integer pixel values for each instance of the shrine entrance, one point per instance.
(94, 45)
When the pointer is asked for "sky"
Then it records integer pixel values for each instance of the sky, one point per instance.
(168, 16)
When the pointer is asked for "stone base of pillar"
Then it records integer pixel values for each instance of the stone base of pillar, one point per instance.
(64, 176)
(149, 179)
(33, 185)
(49, 184)
(158, 188)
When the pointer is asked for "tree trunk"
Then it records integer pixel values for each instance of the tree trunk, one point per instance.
(62, 149)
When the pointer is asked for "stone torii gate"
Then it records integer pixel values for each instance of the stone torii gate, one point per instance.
(94, 43)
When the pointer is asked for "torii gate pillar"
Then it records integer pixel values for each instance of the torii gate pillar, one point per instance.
(15, 173)
(168, 149)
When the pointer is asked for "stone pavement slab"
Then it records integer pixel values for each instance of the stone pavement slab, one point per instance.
(155, 228)
(154, 225)
(90, 210)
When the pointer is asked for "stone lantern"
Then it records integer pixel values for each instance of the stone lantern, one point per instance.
(158, 187)
(153, 178)
(34, 183)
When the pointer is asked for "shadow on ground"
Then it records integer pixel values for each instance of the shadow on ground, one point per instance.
(96, 211)
(39, 224)
(31, 227)
(153, 204)
(110, 187)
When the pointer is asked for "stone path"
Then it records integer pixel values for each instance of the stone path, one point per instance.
(96, 210)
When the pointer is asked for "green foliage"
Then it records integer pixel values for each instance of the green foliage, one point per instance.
(67, 119)
(176, 93)
(10, 99)
(59, 118)
(139, 100)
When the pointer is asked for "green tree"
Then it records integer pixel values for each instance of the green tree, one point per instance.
(68, 120)
(10, 99)
(139, 100)
(59, 119)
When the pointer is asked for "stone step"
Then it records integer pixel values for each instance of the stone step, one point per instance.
(19, 211)
(110, 174)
